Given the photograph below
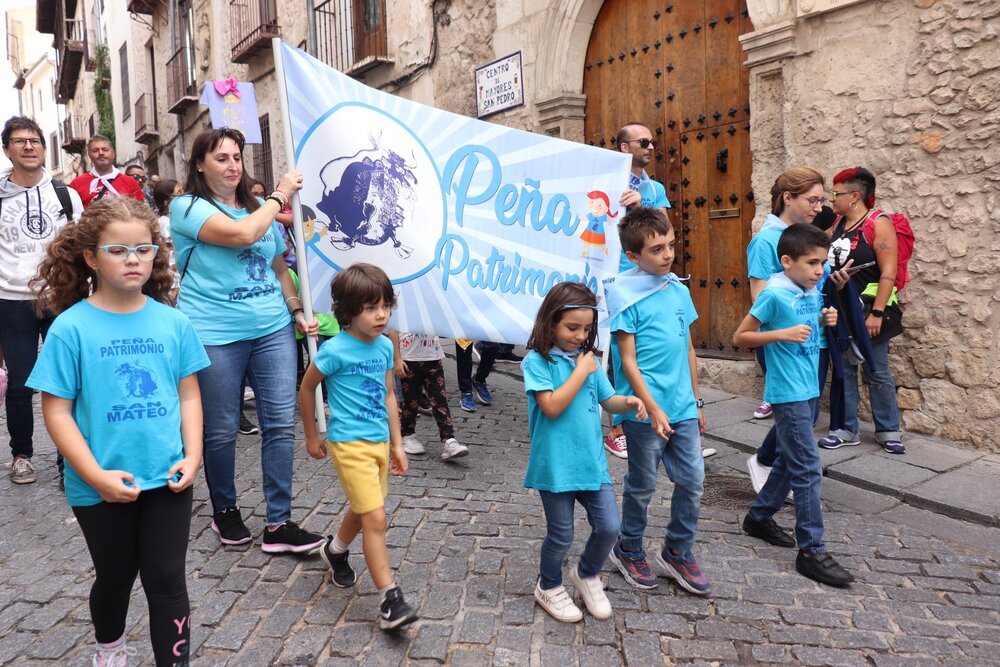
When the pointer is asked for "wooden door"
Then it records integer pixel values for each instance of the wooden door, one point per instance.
(677, 67)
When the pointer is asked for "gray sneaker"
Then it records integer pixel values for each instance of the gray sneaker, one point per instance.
(453, 449)
(22, 472)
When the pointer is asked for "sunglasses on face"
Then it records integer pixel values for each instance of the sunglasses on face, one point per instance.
(643, 143)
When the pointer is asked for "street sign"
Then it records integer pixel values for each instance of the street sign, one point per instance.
(499, 86)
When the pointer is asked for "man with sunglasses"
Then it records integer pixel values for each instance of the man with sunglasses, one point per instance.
(138, 174)
(31, 213)
(104, 179)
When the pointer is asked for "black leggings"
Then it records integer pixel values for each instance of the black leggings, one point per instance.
(148, 537)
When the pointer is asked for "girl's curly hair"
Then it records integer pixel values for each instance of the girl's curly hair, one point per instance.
(64, 278)
(561, 298)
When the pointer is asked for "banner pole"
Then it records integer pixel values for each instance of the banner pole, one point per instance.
(300, 241)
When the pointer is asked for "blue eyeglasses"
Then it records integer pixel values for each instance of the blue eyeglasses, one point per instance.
(145, 252)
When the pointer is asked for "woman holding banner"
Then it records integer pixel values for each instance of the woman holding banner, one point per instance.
(237, 291)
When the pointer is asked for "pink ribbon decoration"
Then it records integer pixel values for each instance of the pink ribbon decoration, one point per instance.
(223, 88)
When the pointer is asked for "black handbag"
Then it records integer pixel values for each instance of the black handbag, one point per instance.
(892, 319)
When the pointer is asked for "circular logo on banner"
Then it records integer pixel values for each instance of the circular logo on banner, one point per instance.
(372, 184)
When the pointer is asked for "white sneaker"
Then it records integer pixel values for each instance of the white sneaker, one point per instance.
(453, 449)
(758, 473)
(557, 603)
(592, 591)
(413, 446)
(113, 657)
(248, 394)
(708, 451)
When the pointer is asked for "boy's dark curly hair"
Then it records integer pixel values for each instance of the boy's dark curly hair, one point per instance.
(357, 286)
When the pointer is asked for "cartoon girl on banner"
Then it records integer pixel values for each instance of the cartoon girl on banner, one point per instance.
(593, 237)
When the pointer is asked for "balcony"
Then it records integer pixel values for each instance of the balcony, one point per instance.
(92, 124)
(142, 6)
(351, 35)
(146, 129)
(69, 54)
(253, 23)
(90, 57)
(74, 140)
(182, 91)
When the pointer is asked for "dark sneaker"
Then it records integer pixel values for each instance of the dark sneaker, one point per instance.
(468, 403)
(22, 472)
(894, 447)
(822, 568)
(482, 393)
(836, 442)
(683, 568)
(343, 574)
(767, 530)
(394, 612)
(289, 538)
(247, 427)
(510, 357)
(230, 527)
(633, 567)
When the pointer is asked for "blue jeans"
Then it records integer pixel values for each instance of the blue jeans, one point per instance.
(768, 449)
(602, 514)
(269, 363)
(684, 465)
(881, 393)
(797, 467)
(20, 329)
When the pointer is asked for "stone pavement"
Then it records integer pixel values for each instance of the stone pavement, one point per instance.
(465, 537)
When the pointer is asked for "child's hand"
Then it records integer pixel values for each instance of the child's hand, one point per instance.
(660, 424)
(110, 485)
(587, 362)
(400, 369)
(640, 407)
(316, 448)
(187, 468)
(399, 464)
(829, 317)
(797, 334)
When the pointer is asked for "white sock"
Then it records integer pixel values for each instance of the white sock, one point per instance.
(338, 547)
(383, 591)
(112, 645)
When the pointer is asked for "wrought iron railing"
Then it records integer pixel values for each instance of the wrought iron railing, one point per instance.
(351, 34)
(253, 23)
(145, 117)
(181, 85)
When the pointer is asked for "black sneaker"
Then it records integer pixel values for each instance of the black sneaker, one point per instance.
(247, 427)
(394, 612)
(767, 530)
(289, 538)
(822, 568)
(343, 574)
(510, 357)
(230, 527)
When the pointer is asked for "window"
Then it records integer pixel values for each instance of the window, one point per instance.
(351, 34)
(54, 151)
(126, 101)
(262, 170)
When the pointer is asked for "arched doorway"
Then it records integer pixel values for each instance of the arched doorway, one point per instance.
(677, 66)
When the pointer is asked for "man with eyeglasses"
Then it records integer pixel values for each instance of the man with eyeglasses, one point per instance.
(33, 207)
(138, 174)
(104, 179)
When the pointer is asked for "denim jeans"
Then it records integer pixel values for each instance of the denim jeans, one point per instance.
(20, 329)
(684, 465)
(881, 393)
(768, 449)
(602, 514)
(269, 364)
(797, 467)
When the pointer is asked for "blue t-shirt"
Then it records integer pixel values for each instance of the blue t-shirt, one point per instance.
(125, 402)
(354, 373)
(762, 253)
(230, 294)
(653, 195)
(661, 324)
(792, 368)
(567, 453)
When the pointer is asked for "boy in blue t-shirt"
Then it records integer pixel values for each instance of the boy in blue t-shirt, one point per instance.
(787, 318)
(356, 367)
(651, 315)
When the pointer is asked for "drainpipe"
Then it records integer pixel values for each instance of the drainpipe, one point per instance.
(311, 14)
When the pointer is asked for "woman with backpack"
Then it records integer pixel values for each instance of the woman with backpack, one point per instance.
(866, 250)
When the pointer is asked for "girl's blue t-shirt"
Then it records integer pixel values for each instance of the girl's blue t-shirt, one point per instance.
(354, 373)
(762, 253)
(230, 294)
(661, 324)
(567, 453)
(121, 372)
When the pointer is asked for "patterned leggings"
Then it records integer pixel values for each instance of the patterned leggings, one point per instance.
(429, 376)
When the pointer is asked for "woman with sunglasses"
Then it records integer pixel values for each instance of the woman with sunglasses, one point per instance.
(236, 289)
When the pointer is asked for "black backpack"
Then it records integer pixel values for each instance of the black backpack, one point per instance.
(62, 192)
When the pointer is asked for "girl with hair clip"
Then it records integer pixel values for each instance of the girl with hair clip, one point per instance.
(567, 462)
(130, 425)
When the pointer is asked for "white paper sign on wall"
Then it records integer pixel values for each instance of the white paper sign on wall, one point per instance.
(499, 86)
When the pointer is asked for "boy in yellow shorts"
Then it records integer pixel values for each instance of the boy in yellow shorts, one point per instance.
(356, 368)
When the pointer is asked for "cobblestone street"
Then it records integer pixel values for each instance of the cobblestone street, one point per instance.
(464, 537)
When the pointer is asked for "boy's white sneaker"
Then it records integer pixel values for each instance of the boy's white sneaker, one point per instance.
(453, 449)
(758, 472)
(413, 446)
(557, 603)
(592, 591)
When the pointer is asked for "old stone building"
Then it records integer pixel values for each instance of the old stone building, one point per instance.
(736, 91)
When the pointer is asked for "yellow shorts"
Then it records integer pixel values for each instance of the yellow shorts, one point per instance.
(363, 469)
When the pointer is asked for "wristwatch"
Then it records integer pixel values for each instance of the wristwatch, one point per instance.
(878, 313)
(700, 403)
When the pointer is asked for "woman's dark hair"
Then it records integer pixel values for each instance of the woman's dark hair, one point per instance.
(163, 192)
(64, 277)
(861, 180)
(796, 181)
(543, 336)
(205, 143)
(357, 286)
